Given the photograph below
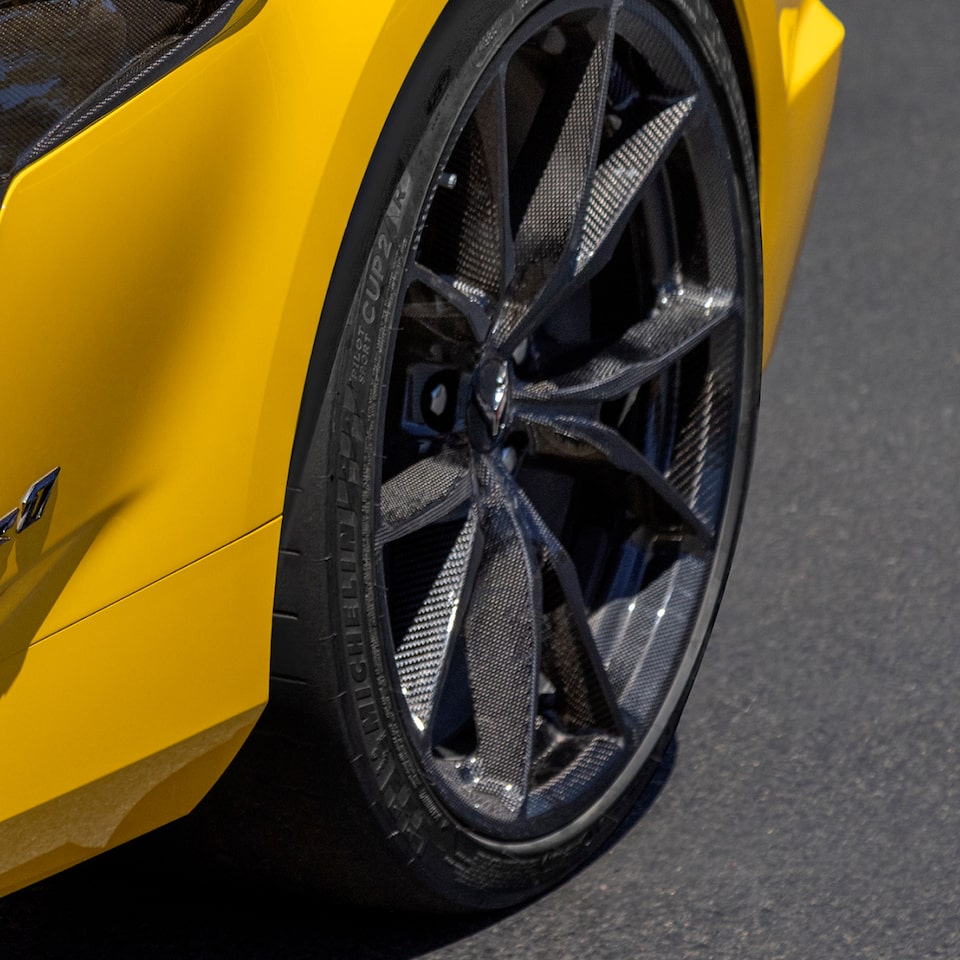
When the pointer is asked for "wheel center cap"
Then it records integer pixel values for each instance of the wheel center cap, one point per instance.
(490, 398)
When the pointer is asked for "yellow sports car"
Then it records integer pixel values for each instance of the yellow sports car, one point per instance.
(397, 360)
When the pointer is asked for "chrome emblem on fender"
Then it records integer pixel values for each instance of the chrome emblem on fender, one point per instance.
(31, 507)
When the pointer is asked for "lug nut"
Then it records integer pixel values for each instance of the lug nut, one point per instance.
(448, 180)
(438, 399)
(553, 42)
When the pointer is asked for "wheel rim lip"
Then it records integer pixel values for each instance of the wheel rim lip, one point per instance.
(530, 839)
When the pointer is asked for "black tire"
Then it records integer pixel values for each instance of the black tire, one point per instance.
(509, 525)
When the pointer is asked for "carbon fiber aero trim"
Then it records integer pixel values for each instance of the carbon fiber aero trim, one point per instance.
(65, 63)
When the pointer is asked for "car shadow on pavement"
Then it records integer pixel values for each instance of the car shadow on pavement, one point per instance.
(156, 898)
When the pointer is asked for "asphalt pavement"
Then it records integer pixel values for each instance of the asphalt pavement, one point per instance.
(811, 806)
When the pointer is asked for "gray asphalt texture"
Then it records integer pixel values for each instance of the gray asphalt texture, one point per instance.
(811, 807)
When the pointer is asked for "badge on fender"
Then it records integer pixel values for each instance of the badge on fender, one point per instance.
(31, 506)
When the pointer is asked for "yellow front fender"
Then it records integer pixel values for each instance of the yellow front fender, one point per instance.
(164, 271)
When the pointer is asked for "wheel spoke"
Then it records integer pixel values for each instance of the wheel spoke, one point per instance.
(551, 223)
(468, 299)
(571, 656)
(684, 319)
(502, 633)
(491, 120)
(547, 225)
(579, 438)
(424, 651)
(430, 490)
(618, 184)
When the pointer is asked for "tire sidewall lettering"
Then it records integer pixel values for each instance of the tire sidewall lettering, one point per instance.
(366, 340)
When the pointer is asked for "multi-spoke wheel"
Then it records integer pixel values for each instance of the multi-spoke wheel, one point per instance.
(523, 490)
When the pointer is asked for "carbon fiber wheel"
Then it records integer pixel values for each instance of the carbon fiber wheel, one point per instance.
(563, 415)
(506, 543)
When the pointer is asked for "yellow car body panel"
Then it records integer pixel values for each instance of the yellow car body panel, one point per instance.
(170, 265)
(164, 271)
(123, 721)
(794, 50)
